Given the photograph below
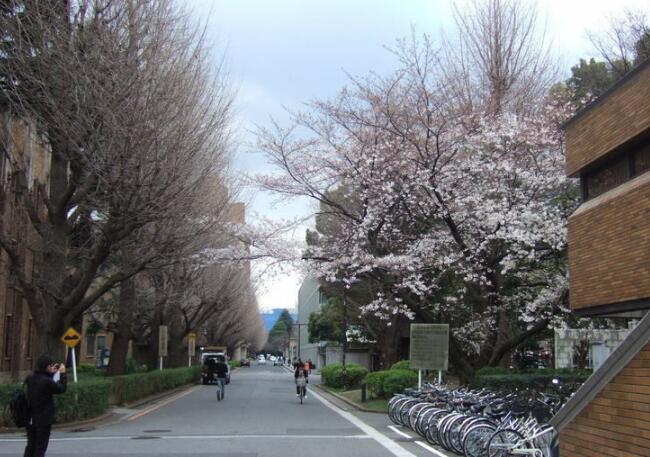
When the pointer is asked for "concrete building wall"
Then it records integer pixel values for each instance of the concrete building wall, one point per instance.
(310, 300)
(567, 339)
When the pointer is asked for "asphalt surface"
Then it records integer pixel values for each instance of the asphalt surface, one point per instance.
(259, 417)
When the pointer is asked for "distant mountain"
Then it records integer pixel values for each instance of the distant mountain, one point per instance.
(271, 317)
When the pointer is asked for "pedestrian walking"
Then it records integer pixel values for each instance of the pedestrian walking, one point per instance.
(221, 370)
(41, 387)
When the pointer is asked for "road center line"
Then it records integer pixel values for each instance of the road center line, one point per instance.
(390, 445)
(160, 405)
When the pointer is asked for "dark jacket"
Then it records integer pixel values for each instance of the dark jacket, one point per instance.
(40, 390)
(297, 372)
(222, 369)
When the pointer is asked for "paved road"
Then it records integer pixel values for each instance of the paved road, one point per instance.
(260, 417)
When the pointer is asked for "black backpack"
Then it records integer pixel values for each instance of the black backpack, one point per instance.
(19, 407)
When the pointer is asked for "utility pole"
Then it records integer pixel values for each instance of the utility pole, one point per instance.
(345, 328)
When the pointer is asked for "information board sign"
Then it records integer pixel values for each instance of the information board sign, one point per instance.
(162, 341)
(429, 347)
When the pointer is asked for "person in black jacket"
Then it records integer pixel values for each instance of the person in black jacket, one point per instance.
(40, 390)
(221, 370)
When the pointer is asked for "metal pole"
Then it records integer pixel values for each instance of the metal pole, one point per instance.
(345, 328)
(74, 366)
(439, 377)
(161, 363)
(299, 342)
(419, 379)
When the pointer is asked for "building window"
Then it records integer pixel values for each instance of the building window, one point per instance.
(8, 332)
(101, 342)
(607, 177)
(90, 345)
(642, 160)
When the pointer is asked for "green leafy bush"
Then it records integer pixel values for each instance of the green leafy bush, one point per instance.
(234, 363)
(398, 380)
(333, 376)
(401, 365)
(540, 380)
(485, 371)
(375, 383)
(132, 387)
(81, 400)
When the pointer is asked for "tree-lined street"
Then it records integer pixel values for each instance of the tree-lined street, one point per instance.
(260, 416)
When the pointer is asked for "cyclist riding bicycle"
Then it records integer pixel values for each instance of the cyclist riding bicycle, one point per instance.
(221, 370)
(299, 375)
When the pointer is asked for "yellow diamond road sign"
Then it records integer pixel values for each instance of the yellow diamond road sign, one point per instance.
(71, 337)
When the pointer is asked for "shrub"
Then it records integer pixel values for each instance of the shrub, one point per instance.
(375, 383)
(398, 380)
(332, 375)
(131, 387)
(234, 363)
(401, 365)
(485, 371)
(540, 380)
(81, 400)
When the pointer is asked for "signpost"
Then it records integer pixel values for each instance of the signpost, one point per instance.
(71, 338)
(191, 347)
(162, 343)
(429, 349)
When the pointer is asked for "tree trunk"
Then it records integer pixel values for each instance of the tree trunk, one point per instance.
(122, 334)
(387, 344)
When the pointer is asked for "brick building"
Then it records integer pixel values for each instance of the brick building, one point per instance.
(21, 147)
(608, 148)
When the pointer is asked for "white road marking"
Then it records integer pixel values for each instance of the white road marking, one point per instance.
(399, 432)
(390, 445)
(198, 437)
(160, 405)
(430, 449)
(420, 443)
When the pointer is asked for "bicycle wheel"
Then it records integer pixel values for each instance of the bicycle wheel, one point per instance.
(431, 433)
(476, 440)
(502, 442)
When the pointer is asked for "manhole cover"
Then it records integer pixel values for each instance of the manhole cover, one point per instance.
(145, 438)
(82, 429)
(156, 431)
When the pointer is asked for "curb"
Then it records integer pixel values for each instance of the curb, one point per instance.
(347, 401)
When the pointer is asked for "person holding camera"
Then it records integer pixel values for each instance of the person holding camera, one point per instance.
(41, 387)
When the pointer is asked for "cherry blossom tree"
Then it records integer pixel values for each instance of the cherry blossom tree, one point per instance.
(455, 211)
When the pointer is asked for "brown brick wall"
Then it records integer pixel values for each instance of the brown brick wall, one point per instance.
(609, 247)
(617, 422)
(26, 148)
(620, 116)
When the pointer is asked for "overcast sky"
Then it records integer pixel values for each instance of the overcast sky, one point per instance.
(282, 53)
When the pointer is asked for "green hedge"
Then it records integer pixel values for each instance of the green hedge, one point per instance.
(402, 365)
(540, 379)
(332, 375)
(375, 383)
(234, 363)
(92, 397)
(132, 387)
(398, 380)
(81, 400)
